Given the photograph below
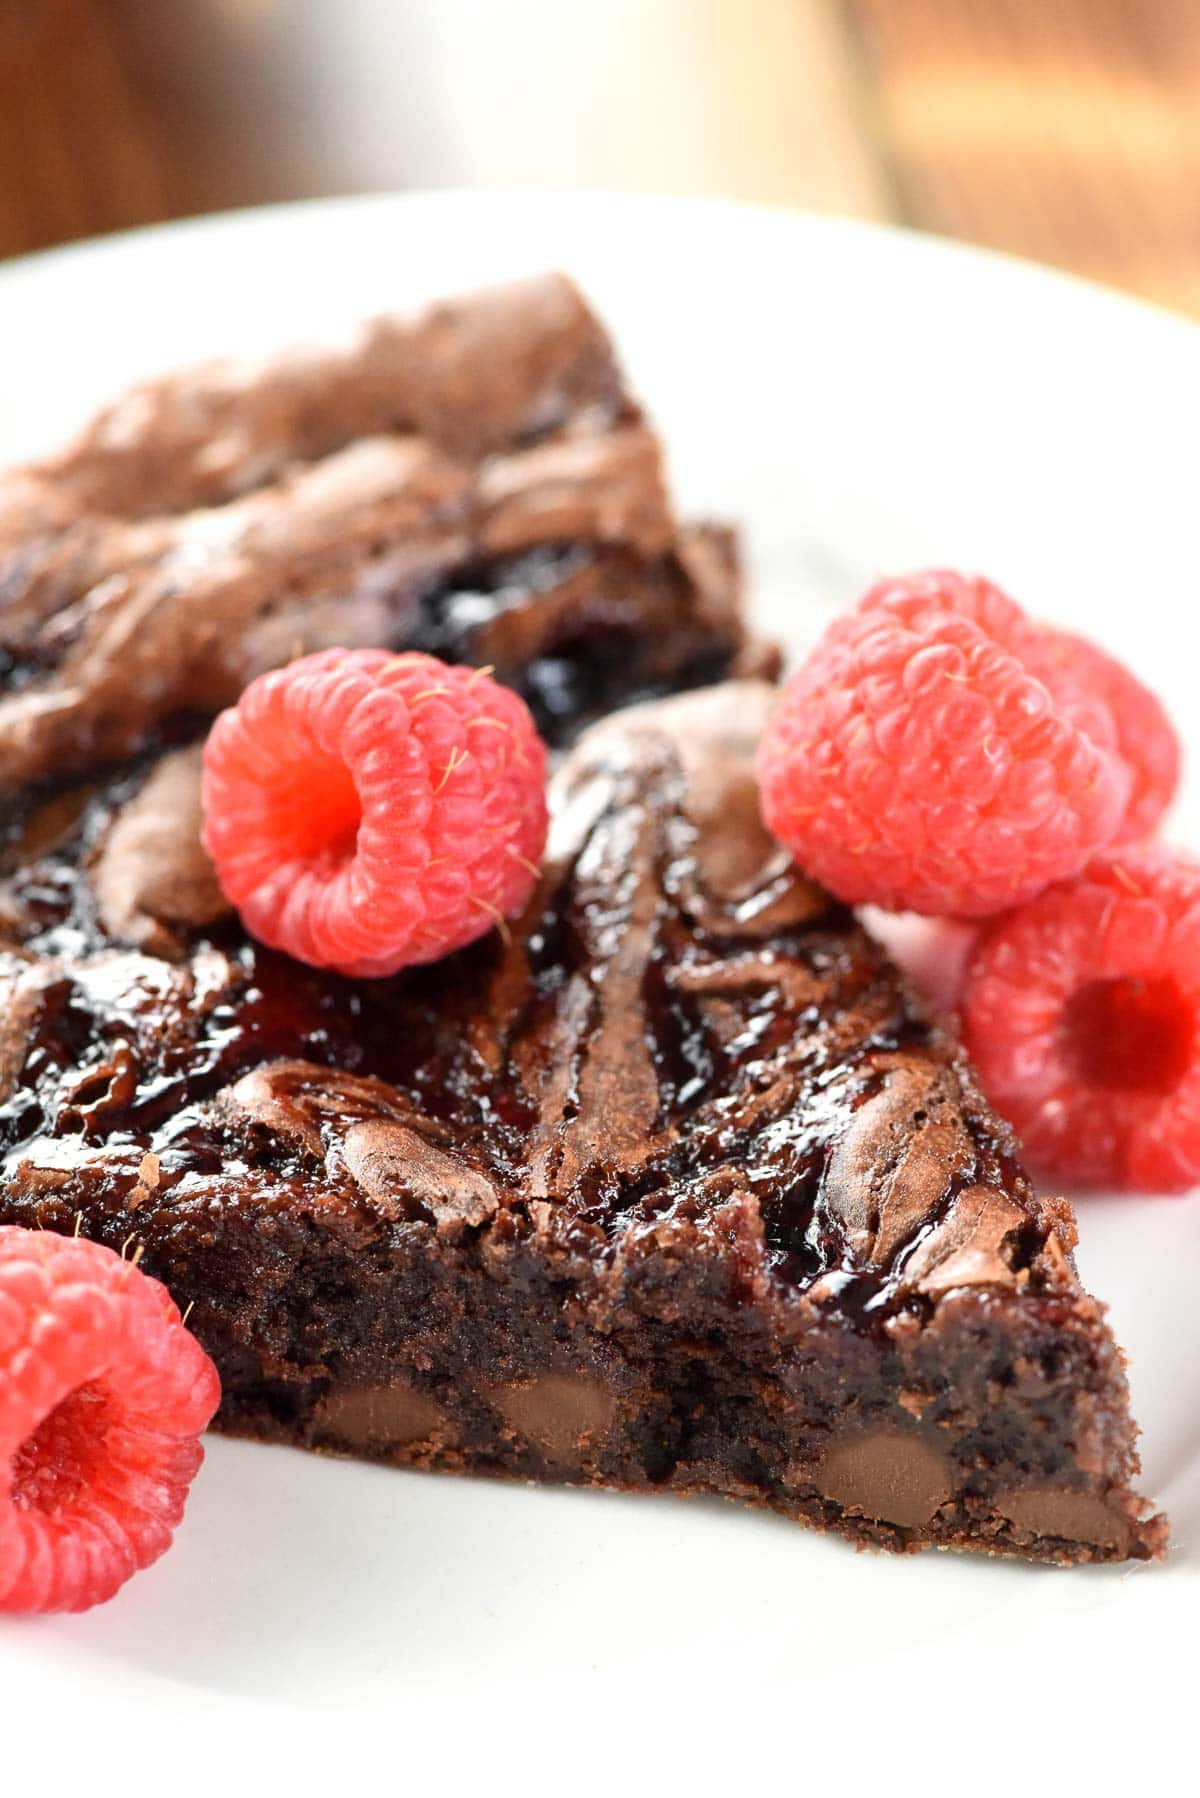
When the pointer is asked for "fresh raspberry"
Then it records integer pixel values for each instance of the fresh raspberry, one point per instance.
(1143, 733)
(368, 811)
(1082, 1013)
(103, 1395)
(917, 761)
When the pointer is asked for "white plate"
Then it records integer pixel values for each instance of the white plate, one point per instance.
(858, 400)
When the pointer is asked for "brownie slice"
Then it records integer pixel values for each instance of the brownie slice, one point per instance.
(677, 1189)
(475, 481)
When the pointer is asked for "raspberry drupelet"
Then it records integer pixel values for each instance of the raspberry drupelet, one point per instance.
(368, 811)
(103, 1396)
(1081, 1011)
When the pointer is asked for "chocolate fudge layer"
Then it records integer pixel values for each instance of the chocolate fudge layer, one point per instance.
(475, 482)
(677, 1189)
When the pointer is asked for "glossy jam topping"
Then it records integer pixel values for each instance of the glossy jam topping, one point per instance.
(673, 1027)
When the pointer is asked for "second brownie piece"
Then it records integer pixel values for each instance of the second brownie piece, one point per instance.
(475, 481)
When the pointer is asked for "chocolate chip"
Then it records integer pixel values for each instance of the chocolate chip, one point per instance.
(892, 1475)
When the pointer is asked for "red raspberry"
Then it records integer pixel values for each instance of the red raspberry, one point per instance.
(368, 811)
(1143, 733)
(103, 1395)
(917, 761)
(1082, 1013)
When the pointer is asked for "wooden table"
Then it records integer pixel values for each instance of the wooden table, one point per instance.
(1067, 130)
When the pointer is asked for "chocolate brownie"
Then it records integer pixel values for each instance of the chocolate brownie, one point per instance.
(677, 1189)
(475, 482)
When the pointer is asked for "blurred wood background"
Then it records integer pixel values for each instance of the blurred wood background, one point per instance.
(1066, 130)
